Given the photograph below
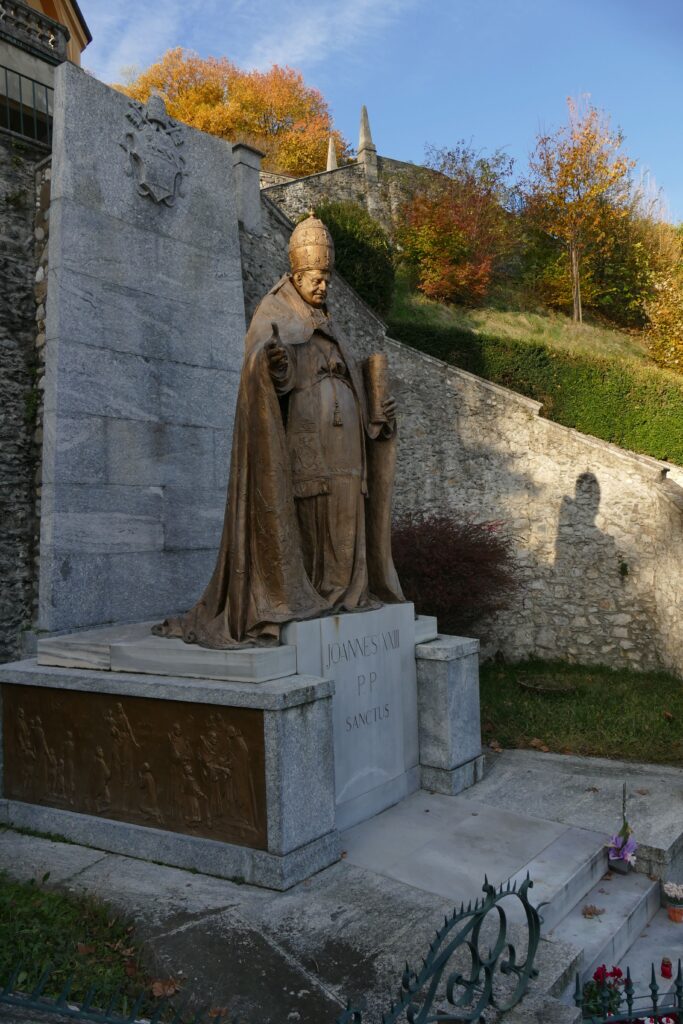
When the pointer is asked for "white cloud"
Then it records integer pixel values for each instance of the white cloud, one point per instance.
(253, 33)
(126, 34)
(303, 33)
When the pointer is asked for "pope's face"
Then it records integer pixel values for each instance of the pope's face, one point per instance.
(312, 286)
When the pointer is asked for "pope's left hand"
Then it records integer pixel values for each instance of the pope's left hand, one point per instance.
(389, 407)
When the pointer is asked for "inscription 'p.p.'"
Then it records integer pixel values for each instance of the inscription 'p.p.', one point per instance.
(368, 681)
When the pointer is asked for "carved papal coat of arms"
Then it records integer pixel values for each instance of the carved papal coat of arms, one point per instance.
(152, 150)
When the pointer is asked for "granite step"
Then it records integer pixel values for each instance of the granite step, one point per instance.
(659, 938)
(627, 903)
(564, 872)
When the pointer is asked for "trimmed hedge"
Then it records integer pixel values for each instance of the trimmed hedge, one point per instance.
(363, 252)
(638, 408)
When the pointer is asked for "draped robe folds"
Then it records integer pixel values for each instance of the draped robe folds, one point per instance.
(260, 580)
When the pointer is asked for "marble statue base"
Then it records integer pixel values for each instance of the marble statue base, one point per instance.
(371, 658)
(245, 764)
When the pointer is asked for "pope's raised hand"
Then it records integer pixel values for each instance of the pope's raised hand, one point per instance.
(277, 354)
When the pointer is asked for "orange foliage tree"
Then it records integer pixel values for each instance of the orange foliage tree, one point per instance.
(454, 228)
(274, 110)
(579, 184)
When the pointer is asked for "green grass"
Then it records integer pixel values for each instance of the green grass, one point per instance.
(617, 397)
(542, 326)
(607, 713)
(77, 935)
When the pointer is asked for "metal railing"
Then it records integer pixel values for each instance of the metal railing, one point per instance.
(469, 967)
(610, 1003)
(25, 106)
(33, 31)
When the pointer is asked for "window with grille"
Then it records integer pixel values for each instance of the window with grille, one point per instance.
(25, 106)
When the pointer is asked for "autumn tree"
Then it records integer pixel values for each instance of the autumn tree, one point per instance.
(273, 110)
(454, 227)
(579, 185)
(665, 307)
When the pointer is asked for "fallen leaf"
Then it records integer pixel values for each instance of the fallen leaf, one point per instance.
(590, 910)
(607, 877)
(343, 855)
(164, 987)
(495, 745)
(85, 950)
(592, 789)
(643, 792)
(669, 717)
(545, 750)
(536, 744)
(131, 968)
(218, 1011)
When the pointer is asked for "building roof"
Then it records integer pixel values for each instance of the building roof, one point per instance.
(83, 22)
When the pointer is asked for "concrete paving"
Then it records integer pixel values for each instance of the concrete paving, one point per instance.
(274, 957)
(347, 932)
(586, 792)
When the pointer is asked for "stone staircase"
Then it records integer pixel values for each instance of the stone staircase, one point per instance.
(627, 927)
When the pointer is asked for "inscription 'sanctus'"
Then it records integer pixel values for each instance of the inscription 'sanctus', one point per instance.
(152, 150)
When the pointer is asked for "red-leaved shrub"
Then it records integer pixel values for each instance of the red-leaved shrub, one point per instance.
(453, 568)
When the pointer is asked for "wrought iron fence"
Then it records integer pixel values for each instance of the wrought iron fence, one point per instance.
(103, 1008)
(25, 106)
(610, 1003)
(447, 989)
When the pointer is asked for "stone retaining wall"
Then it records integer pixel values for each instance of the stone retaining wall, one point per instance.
(597, 530)
(18, 393)
(349, 183)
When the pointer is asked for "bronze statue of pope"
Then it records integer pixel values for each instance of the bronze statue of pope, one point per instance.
(307, 529)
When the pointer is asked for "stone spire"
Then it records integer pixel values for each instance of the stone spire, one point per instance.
(367, 151)
(365, 138)
(331, 155)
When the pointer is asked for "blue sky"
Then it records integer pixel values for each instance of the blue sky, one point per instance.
(493, 72)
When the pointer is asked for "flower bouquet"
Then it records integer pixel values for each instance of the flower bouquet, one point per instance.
(622, 846)
(673, 895)
(603, 998)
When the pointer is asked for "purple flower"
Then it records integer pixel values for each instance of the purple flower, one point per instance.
(622, 848)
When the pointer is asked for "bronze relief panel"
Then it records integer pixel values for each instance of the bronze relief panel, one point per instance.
(192, 768)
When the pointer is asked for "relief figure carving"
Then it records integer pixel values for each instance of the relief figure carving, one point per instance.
(149, 803)
(243, 782)
(102, 776)
(197, 769)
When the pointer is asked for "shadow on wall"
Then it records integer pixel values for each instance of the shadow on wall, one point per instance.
(582, 550)
(592, 578)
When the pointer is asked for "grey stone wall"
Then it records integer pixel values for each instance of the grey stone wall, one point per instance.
(145, 328)
(18, 393)
(349, 183)
(597, 531)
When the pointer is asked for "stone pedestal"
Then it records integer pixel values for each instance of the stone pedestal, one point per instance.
(371, 658)
(448, 713)
(232, 779)
(240, 763)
